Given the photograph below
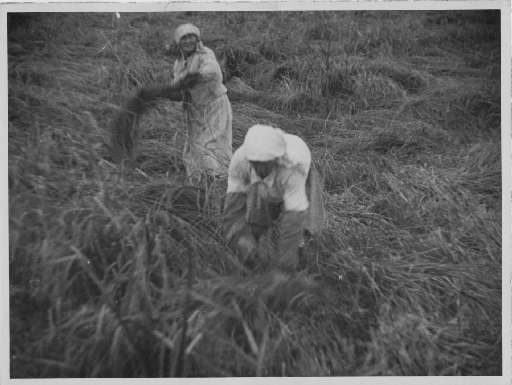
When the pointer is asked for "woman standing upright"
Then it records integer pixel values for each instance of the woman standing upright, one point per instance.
(208, 115)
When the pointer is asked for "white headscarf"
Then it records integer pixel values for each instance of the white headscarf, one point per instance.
(263, 143)
(185, 29)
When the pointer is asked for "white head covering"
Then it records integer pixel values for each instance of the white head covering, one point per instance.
(185, 29)
(263, 143)
(297, 153)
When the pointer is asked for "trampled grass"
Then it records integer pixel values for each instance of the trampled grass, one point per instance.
(122, 271)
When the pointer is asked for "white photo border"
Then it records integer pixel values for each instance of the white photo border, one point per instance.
(248, 5)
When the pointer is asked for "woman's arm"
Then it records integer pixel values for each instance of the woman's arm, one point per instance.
(206, 65)
(236, 230)
(172, 92)
(149, 94)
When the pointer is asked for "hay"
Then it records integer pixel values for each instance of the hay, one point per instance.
(125, 124)
(404, 280)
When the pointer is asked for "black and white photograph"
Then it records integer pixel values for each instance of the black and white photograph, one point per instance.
(209, 192)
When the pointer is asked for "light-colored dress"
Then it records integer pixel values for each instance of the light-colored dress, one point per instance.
(208, 116)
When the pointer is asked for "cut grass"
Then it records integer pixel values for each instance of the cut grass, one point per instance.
(405, 279)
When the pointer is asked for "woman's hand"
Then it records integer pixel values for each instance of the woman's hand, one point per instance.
(188, 81)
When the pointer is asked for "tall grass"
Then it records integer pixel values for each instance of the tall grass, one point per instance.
(123, 272)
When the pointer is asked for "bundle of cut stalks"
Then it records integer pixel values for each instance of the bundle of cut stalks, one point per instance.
(125, 124)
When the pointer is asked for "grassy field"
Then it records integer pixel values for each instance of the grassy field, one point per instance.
(402, 113)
